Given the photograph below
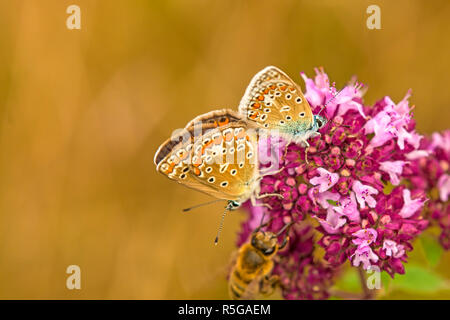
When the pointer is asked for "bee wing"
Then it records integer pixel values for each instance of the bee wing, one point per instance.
(252, 289)
(273, 101)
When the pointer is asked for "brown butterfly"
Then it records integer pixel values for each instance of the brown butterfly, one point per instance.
(215, 153)
(273, 101)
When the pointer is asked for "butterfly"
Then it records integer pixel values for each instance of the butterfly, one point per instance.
(273, 101)
(216, 153)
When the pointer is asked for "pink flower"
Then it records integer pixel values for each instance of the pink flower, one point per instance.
(441, 141)
(410, 207)
(349, 208)
(381, 126)
(365, 237)
(393, 249)
(363, 194)
(393, 122)
(364, 255)
(323, 197)
(359, 148)
(325, 180)
(444, 187)
(394, 169)
(411, 137)
(333, 221)
(417, 154)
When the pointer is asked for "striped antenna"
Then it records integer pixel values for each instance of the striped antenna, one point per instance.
(216, 241)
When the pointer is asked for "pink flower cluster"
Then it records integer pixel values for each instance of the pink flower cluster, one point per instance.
(368, 178)
(428, 172)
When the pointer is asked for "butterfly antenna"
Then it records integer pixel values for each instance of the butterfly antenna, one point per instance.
(201, 205)
(332, 98)
(216, 241)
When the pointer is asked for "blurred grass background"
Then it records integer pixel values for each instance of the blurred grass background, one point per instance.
(83, 111)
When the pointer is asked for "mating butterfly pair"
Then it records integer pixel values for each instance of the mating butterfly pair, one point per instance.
(217, 153)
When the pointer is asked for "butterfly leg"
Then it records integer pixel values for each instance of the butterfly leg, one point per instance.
(265, 195)
(268, 173)
(306, 151)
(259, 204)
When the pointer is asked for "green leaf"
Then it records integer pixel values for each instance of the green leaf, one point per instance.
(432, 249)
(333, 203)
(388, 187)
(419, 279)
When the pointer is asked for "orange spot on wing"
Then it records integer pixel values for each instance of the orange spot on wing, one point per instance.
(170, 168)
(260, 98)
(283, 88)
(224, 122)
(206, 146)
(254, 116)
(183, 155)
(256, 105)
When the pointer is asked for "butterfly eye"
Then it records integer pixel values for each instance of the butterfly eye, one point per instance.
(235, 204)
(268, 251)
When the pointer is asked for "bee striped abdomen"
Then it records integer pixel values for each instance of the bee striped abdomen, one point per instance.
(238, 284)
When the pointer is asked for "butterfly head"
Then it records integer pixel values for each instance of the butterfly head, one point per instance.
(233, 205)
(319, 122)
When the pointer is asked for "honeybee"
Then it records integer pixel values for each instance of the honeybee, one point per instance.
(254, 262)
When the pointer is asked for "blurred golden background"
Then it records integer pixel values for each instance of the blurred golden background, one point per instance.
(83, 111)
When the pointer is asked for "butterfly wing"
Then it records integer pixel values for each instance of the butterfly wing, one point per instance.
(219, 159)
(216, 118)
(173, 160)
(274, 101)
(226, 161)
